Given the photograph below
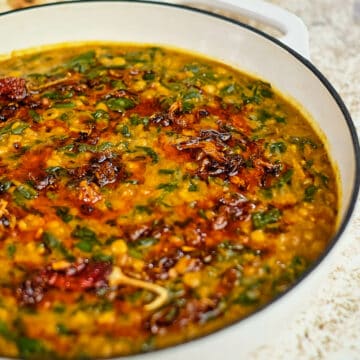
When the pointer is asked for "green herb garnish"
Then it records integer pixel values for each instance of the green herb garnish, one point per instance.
(263, 218)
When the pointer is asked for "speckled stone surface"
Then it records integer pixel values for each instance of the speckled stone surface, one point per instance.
(329, 328)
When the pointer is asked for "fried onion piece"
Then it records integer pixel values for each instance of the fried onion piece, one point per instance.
(117, 277)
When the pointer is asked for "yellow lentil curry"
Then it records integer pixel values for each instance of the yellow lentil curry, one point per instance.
(148, 197)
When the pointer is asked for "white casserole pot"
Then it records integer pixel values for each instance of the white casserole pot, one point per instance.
(242, 47)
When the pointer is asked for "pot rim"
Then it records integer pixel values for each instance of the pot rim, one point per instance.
(348, 212)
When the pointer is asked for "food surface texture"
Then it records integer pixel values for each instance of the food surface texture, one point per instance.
(148, 196)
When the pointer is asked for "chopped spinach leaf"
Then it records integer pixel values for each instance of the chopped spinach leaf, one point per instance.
(263, 218)
(191, 94)
(280, 119)
(4, 185)
(52, 95)
(64, 105)
(56, 170)
(35, 116)
(6, 129)
(102, 257)
(100, 114)
(135, 119)
(193, 187)
(248, 297)
(267, 193)
(54, 244)
(131, 181)
(124, 130)
(230, 89)
(5, 332)
(194, 68)
(11, 250)
(202, 214)
(263, 115)
(120, 104)
(310, 192)
(298, 265)
(22, 193)
(149, 75)
(82, 62)
(59, 308)
(166, 171)
(169, 187)
(118, 84)
(63, 212)
(301, 142)
(30, 348)
(324, 178)
(308, 164)
(62, 329)
(266, 93)
(19, 128)
(143, 209)
(277, 147)
(285, 178)
(187, 106)
(150, 152)
(88, 238)
(144, 242)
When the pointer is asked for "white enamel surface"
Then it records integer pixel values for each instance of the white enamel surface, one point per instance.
(294, 31)
(230, 43)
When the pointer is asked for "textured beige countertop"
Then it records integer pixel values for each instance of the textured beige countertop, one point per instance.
(330, 326)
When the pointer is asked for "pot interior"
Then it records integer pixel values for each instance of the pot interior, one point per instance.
(195, 31)
(213, 36)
